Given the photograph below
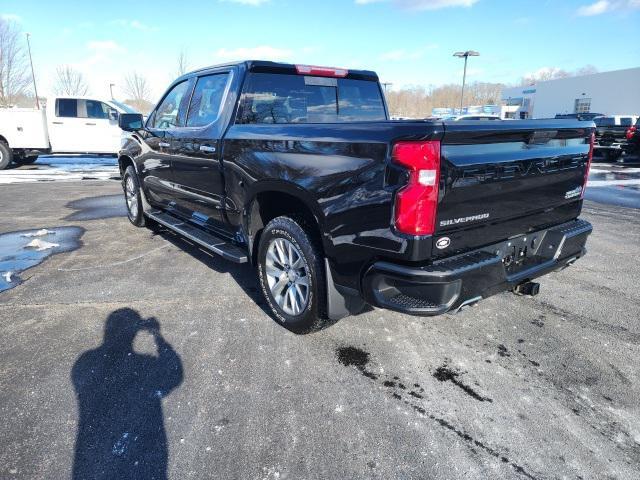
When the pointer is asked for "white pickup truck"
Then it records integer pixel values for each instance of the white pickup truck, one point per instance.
(66, 125)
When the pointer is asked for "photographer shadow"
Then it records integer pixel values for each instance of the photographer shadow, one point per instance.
(121, 430)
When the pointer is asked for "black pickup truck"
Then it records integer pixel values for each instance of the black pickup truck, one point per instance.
(612, 139)
(298, 170)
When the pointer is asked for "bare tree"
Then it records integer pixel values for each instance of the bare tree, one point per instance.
(183, 63)
(138, 92)
(586, 70)
(418, 101)
(545, 74)
(69, 82)
(14, 63)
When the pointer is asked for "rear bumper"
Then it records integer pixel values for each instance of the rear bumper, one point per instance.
(453, 282)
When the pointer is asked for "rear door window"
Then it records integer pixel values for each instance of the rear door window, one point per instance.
(207, 100)
(67, 107)
(278, 98)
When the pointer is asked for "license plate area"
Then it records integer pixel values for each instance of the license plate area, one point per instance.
(520, 252)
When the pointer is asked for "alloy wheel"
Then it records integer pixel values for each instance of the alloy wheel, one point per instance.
(287, 276)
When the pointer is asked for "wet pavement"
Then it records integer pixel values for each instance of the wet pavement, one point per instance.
(50, 168)
(615, 183)
(140, 354)
(24, 249)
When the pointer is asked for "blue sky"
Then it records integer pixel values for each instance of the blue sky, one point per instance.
(405, 41)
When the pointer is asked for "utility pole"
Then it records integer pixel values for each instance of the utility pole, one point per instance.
(33, 75)
(385, 85)
(466, 55)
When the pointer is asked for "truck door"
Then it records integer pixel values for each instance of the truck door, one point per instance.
(68, 129)
(103, 131)
(197, 171)
(159, 137)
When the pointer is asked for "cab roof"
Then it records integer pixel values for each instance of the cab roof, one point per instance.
(264, 66)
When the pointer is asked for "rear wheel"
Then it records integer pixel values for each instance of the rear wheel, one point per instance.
(133, 197)
(6, 155)
(290, 267)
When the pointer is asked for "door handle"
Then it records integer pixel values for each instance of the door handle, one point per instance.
(58, 123)
(164, 144)
(207, 149)
(88, 123)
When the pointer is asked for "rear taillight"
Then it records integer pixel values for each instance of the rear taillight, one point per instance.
(630, 131)
(322, 71)
(586, 172)
(416, 203)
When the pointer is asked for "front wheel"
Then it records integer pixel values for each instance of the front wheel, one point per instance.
(290, 268)
(133, 196)
(6, 155)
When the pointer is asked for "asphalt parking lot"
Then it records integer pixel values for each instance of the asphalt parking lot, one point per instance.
(135, 352)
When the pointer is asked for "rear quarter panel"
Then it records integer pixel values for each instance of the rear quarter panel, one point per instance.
(338, 170)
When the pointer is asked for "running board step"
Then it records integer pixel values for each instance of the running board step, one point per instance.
(212, 243)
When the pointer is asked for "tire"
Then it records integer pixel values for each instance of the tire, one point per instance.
(6, 155)
(133, 197)
(286, 248)
(27, 160)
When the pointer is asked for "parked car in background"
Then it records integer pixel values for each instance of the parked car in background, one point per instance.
(579, 116)
(298, 170)
(611, 135)
(633, 139)
(65, 125)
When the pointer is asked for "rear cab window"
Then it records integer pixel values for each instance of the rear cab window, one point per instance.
(290, 98)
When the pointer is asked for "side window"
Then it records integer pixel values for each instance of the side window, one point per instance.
(96, 109)
(206, 100)
(66, 107)
(167, 113)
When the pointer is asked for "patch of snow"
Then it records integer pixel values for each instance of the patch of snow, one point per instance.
(7, 276)
(339, 409)
(41, 245)
(40, 233)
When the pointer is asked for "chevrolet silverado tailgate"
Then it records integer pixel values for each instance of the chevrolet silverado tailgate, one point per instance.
(501, 179)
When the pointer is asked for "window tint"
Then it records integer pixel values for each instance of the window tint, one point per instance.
(66, 107)
(271, 98)
(96, 109)
(206, 100)
(167, 113)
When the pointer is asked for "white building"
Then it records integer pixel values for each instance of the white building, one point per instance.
(609, 93)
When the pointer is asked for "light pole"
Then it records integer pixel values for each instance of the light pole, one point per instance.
(466, 55)
(385, 85)
(111, 85)
(33, 75)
